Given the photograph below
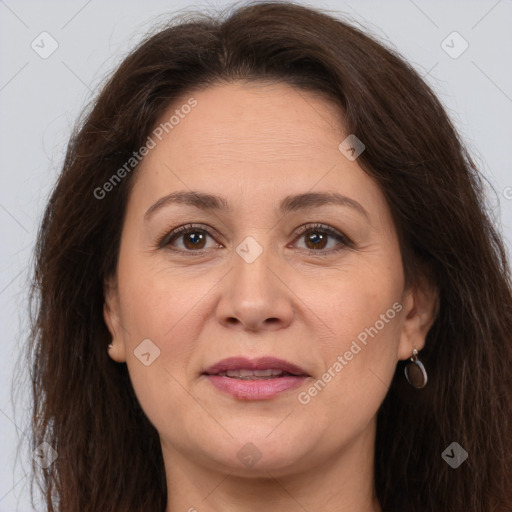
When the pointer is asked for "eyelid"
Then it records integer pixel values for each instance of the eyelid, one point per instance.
(165, 239)
(344, 240)
(167, 236)
(323, 228)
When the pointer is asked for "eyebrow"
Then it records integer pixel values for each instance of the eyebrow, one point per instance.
(292, 203)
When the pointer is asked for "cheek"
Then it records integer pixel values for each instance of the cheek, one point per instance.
(363, 312)
(163, 309)
(367, 331)
(160, 306)
(158, 301)
(355, 300)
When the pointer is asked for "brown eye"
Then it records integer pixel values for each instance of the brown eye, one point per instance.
(194, 240)
(316, 240)
(186, 239)
(191, 239)
(317, 237)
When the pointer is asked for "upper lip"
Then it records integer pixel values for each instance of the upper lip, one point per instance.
(261, 363)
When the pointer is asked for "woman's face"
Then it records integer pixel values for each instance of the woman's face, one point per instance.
(296, 259)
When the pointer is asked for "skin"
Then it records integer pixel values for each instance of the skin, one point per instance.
(254, 144)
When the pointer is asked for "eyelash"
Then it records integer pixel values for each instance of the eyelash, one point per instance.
(165, 239)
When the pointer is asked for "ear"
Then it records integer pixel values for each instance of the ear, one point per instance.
(111, 315)
(420, 306)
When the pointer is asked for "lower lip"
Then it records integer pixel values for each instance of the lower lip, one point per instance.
(260, 389)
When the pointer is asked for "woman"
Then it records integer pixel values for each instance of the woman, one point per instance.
(266, 280)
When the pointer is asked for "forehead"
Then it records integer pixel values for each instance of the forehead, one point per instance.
(252, 140)
(258, 121)
(240, 123)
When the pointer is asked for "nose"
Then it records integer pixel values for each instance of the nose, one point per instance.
(255, 296)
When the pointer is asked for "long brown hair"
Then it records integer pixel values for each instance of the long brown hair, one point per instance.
(109, 454)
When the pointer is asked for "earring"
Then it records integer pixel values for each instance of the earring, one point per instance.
(415, 372)
(110, 345)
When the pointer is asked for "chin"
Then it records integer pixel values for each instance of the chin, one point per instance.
(257, 450)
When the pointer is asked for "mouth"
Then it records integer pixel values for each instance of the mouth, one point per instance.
(242, 374)
(255, 369)
(255, 379)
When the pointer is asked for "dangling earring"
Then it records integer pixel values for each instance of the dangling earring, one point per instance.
(415, 372)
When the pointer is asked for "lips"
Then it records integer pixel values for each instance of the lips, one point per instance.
(263, 367)
(255, 379)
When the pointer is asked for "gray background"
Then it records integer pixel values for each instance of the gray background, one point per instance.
(40, 100)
